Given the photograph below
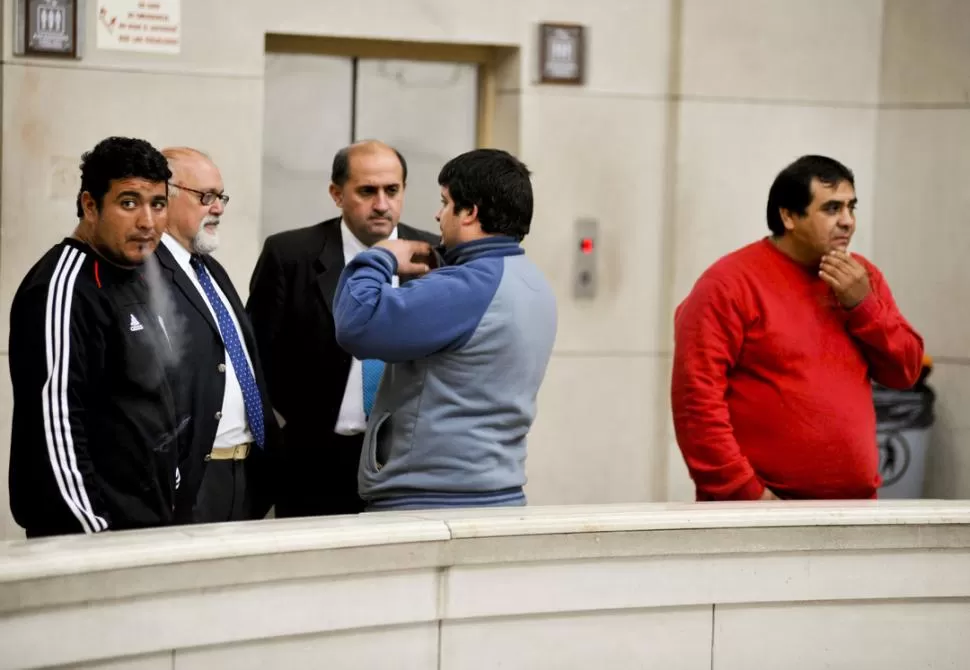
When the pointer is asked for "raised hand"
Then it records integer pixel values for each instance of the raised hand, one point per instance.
(847, 277)
(414, 258)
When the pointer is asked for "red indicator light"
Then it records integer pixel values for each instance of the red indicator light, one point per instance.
(586, 245)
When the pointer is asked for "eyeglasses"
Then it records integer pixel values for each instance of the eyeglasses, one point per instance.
(207, 197)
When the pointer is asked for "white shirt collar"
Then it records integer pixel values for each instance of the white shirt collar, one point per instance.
(179, 253)
(352, 245)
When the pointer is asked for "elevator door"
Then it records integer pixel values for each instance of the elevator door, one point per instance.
(314, 105)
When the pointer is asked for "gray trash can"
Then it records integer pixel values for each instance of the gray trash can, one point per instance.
(903, 423)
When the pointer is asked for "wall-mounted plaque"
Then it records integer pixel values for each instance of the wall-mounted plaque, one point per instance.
(50, 28)
(561, 53)
(149, 26)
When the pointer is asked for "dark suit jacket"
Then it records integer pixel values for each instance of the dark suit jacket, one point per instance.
(202, 351)
(291, 306)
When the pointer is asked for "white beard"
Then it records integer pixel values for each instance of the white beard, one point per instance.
(205, 242)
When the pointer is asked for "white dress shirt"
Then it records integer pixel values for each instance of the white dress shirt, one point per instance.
(233, 428)
(351, 420)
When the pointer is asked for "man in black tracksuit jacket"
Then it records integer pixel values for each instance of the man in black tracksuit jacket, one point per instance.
(96, 433)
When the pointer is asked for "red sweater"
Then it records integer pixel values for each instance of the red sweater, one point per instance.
(771, 379)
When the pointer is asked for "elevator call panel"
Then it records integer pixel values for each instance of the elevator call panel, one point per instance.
(585, 278)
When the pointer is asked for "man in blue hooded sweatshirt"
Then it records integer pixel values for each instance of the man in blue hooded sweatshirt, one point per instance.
(466, 346)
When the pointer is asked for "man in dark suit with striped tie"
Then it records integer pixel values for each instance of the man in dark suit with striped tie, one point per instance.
(226, 473)
(322, 393)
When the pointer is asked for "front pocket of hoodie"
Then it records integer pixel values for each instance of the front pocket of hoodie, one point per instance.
(372, 441)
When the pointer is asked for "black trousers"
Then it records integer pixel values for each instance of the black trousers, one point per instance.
(224, 494)
(318, 477)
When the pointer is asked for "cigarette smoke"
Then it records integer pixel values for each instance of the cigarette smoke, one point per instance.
(172, 343)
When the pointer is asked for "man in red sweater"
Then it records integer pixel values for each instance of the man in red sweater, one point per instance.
(775, 347)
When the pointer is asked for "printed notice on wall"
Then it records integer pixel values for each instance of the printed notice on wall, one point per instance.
(153, 26)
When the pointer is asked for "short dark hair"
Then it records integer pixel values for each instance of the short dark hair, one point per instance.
(497, 183)
(116, 158)
(340, 171)
(792, 188)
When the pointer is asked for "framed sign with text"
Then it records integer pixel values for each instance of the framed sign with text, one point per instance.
(50, 28)
(561, 53)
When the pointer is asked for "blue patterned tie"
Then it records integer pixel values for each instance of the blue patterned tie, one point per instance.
(372, 371)
(234, 349)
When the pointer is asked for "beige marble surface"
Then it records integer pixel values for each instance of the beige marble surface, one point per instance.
(24, 560)
(480, 588)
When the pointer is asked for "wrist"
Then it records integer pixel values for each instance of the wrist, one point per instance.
(752, 489)
(865, 312)
(857, 302)
(386, 255)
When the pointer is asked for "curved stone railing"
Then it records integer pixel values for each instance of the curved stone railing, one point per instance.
(791, 585)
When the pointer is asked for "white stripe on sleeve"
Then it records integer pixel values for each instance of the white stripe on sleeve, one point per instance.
(57, 421)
